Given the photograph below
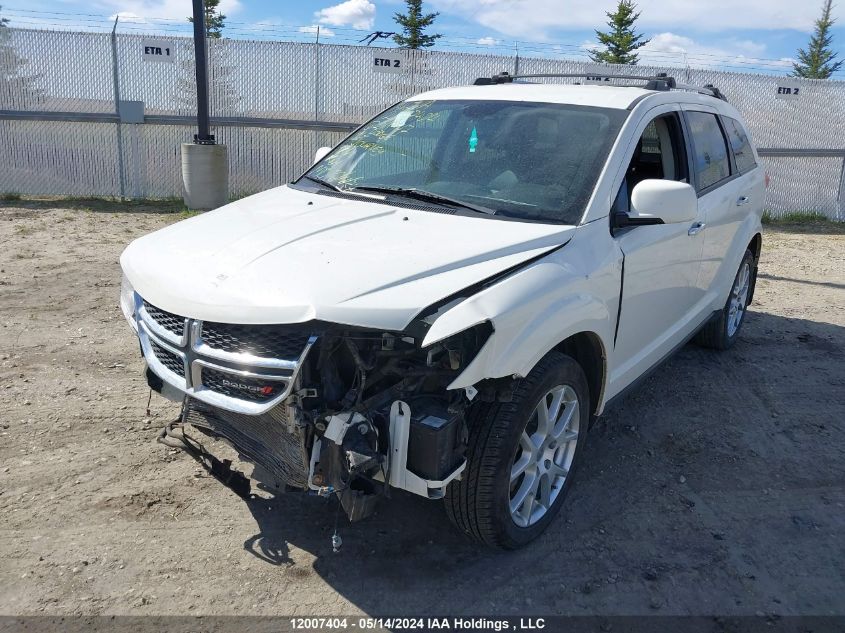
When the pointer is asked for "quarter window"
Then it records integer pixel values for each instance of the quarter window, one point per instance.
(740, 145)
(711, 153)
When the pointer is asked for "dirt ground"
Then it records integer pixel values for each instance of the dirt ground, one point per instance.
(718, 487)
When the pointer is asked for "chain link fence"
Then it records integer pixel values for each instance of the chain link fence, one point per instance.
(66, 97)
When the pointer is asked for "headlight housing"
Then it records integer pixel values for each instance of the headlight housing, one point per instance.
(462, 347)
(127, 302)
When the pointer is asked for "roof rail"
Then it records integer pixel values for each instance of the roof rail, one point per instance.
(661, 81)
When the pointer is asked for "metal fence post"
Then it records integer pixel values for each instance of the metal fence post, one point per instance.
(840, 193)
(412, 55)
(116, 79)
(317, 135)
(317, 76)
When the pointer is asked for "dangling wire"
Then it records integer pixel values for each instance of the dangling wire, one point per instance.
(337, 542)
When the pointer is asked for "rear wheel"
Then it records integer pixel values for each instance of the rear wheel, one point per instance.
(522, 456)
(722, 331)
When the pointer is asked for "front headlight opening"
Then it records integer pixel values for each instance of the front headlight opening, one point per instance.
(463, 347)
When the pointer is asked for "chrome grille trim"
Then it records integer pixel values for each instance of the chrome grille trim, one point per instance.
(159, 330)
(195, 355)
(244, 359)
(147, 338)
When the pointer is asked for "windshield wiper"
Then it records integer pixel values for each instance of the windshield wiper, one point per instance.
(324, 183)
(425, 196)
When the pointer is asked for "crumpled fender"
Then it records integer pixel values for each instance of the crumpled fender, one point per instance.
(532, 311)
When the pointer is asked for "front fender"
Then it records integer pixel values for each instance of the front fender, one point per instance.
(532, 311)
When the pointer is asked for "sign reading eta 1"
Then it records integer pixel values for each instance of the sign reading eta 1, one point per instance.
(157, 50)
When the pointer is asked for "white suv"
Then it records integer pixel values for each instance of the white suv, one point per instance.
(443, 302)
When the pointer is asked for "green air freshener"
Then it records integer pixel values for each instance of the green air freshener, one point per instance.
(473, 141)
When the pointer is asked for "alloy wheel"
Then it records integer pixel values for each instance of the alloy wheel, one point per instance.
(544, 456)
(739, 298)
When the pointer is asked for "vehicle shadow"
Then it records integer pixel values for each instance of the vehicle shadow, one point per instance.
(685, 503)
(827, 284)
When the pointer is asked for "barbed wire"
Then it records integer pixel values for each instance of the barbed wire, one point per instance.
(341, 35)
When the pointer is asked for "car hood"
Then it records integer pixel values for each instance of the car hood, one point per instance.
(289, 256)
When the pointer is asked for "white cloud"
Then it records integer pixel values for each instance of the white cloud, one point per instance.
(140, 10)
(359, 14)
(488, 41)
(670, 48)
(229, 7)
(312, 30)
(127, 17)
(536, 19)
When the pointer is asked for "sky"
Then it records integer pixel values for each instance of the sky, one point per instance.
(754, 35)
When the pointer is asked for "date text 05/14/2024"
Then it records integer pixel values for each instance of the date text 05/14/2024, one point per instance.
(410, 624)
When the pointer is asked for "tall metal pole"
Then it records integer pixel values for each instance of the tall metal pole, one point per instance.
(203, 136)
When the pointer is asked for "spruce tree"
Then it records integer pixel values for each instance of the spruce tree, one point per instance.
(818, 61)
(413, 24)
(621, 41)
(214, 20)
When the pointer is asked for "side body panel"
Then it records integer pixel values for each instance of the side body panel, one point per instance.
(577, 288)
(733, 217)
(660, 304)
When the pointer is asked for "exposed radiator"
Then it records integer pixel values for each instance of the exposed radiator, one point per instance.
(272, 440)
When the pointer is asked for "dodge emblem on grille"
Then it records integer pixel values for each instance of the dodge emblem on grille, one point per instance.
(264, 391)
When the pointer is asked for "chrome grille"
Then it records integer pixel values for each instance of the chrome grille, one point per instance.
(266, 341)
(246, 369)
(170, 360)
(167, 320)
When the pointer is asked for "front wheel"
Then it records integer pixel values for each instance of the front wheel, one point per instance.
(722, 331)
(522, 455)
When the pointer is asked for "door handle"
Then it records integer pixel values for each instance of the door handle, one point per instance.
(742, 200)
(695, 229)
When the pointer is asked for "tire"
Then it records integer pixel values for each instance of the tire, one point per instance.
(480, 503)
(722, 330)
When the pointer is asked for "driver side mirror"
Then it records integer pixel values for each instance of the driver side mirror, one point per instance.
(662, 202)
(320, 154)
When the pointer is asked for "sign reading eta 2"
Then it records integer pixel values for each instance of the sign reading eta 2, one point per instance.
(788, 92)
(388, 65)
(157, 50)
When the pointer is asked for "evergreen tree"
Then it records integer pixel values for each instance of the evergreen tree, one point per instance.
(214, 20)
(621, 41)
(818, 61)
(413, 24)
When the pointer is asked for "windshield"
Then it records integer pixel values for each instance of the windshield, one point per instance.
(533, 161)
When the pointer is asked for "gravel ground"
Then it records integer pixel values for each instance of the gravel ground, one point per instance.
(718, 487)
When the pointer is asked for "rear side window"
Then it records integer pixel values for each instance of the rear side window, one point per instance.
(712, 164)
(741, 146)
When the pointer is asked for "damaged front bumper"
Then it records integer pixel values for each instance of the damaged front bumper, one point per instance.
(319, 407)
